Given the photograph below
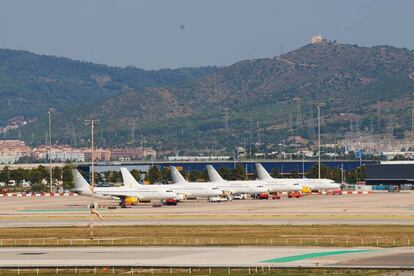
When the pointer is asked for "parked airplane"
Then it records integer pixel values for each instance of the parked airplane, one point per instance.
(313, 184)
(236, 186)
(276, 185)
(183, 189)
(178, 179)
(128, 194)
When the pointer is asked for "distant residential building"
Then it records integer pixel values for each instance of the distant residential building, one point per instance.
(149, 153)
(388, 155)
(98, 154)
(132, 153)
(197, 158)
(308, 153)
(260, 155)
(9, 159)
(166, 152)
(316, 39)
(12, 150)
(60, 153)
(330, 154)
(62, 156)
(13, 147)
(377, 144)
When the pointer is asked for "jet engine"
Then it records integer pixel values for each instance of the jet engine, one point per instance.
(306, 190)
(131, 200)
(181, 197)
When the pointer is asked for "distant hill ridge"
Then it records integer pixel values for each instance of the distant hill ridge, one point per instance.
(264, 100)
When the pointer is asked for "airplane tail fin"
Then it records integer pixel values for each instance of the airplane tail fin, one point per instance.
(81, 185)
(213, 174)
(129, 180)
(262, 173)
(177, 177)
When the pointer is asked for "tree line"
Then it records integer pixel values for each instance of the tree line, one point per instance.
(38, 177)
(155, 175)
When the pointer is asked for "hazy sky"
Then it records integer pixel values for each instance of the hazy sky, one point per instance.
(173, 33)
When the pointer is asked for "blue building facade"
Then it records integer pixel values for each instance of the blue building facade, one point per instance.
(284, 167)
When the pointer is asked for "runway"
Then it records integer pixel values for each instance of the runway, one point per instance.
(209, 257)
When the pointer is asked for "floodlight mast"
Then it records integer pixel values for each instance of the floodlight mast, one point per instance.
(49, 112)
(92, 123)
(319, 141)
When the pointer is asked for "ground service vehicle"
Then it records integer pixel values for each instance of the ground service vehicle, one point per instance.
(239, 196)
(218, 199)
(294, 195)
(276, 196)
(170, 201)
(336, 192)
(263, 196)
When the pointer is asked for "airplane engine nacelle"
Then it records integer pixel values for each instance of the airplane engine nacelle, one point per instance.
(131, 200)
(306, 190)
(181, 197)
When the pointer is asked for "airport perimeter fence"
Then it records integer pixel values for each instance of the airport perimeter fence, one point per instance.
(225, 241)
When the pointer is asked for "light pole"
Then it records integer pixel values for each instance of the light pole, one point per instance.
(319, 141)
(49, 112)
(92, 206)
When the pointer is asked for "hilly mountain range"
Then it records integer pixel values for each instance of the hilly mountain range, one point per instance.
(264, 101)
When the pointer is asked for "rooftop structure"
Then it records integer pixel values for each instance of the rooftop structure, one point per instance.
(316, 39)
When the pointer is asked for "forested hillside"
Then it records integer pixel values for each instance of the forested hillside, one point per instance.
(262, 100)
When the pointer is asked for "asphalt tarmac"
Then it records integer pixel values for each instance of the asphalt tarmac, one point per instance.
(381, 208)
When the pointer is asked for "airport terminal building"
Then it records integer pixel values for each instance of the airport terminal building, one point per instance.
(390, 173)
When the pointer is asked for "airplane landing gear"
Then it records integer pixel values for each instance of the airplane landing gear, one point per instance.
(122, 203)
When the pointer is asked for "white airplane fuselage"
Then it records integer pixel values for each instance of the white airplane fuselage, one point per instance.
(276, 185)
(242, 187)
(320, 184)
(193, 190)
(145, 193)
(142, 193)
(296, 184)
